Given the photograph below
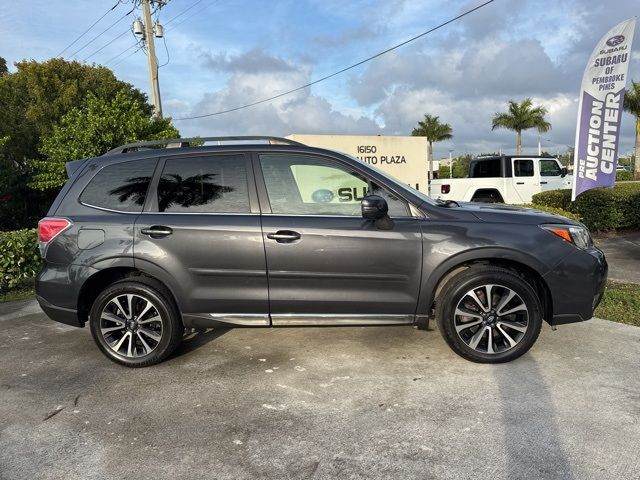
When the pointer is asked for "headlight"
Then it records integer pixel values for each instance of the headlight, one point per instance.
(579, 236)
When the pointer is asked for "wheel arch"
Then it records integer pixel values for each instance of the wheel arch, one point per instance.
(488, 191)
(97, 282)
(529, 268)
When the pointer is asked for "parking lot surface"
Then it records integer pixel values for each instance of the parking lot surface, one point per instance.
(379, 402)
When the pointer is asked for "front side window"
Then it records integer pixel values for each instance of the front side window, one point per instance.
(121, 186)
(549, 168)
(523, 168)
(211, 184)
(309, 185)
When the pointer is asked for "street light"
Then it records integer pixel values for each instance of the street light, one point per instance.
(450, 164)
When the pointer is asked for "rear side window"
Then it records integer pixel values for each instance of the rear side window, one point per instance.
(486, 168)
(211, 184)
(121, 186)
(523, 168)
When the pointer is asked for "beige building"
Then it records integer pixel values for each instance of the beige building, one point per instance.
(402, 157)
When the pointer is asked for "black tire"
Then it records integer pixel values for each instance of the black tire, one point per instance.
(455, 294)
(169, 328)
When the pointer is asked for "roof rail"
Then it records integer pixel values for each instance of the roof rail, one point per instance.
(186, 142)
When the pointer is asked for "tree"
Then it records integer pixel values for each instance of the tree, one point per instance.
(522, 116)
(3, 66)
(38, 94)
(632, 105)
(95, 128)
(435, 131)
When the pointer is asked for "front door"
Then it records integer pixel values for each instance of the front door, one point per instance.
(201, 230)
(327, 264)
(551, 175)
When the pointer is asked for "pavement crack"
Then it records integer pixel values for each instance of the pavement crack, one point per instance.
(75, 400)
(53, 413)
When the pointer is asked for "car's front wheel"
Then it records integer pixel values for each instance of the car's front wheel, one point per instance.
(135, 324)
(489, 314)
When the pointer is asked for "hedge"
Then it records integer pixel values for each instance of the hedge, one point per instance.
(624, 175)
(600, 208)
(19, 258)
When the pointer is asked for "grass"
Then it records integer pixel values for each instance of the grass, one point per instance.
(620, 303)
(20, 293)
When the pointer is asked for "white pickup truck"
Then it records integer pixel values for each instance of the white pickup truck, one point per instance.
(504, 179)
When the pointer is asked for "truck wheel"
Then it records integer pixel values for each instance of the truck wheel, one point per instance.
(489, 314)
(135, 324)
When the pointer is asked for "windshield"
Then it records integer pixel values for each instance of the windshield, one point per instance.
(394, 180)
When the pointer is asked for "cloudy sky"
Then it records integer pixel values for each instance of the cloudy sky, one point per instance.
(221, 54)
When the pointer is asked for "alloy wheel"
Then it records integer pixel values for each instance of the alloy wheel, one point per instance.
(131, 325)
(491, 319)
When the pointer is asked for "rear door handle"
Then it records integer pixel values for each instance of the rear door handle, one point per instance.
(543, 183)
(157, 231)
(519, 183)
(284, 236)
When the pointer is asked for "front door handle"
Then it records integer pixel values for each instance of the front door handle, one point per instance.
(157, 231)
(543, 183)
(284, 236)
(519, 183)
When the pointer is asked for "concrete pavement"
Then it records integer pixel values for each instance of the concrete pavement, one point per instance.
(383, 402)
(623, 255)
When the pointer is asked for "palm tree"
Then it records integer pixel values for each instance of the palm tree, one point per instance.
(632, 105)
(435, 131)
(522, 116)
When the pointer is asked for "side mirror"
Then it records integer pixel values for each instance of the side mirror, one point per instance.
(374, 207)
(564, 172)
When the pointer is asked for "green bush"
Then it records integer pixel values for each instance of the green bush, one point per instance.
(553, 198)
(624, 175)
(19, 258)
(554, 210)
(600, 208)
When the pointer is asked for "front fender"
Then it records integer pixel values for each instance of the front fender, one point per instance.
(438, 271)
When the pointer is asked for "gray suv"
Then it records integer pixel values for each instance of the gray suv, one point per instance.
(145, 241)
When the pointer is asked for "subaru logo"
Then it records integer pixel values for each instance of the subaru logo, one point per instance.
(614, 41)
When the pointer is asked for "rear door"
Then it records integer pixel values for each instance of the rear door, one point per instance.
(526, 178)
(200, 230)
(327, 264)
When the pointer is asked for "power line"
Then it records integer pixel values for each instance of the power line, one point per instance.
(183, 12)
(169, 29)
(131, 54)
(103, 32)
(192, 14)
(90, 27)
(166, 49)
(120, 54)
(307, 85)
(106, 45)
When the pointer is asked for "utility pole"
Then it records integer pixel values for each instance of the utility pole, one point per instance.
(148, 38)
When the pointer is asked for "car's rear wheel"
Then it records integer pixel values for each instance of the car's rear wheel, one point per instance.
(135, 324)
(489, 314)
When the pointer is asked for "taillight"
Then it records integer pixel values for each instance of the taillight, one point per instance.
(49, 228)
(444, 188)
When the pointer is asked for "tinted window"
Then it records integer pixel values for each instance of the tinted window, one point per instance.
(213, 184)
(523, 168)
(309, 185)
(122, 186)
(486, 168)
(549, 168)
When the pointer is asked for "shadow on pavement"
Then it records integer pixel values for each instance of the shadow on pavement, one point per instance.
(196, 339)
(526, 399)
